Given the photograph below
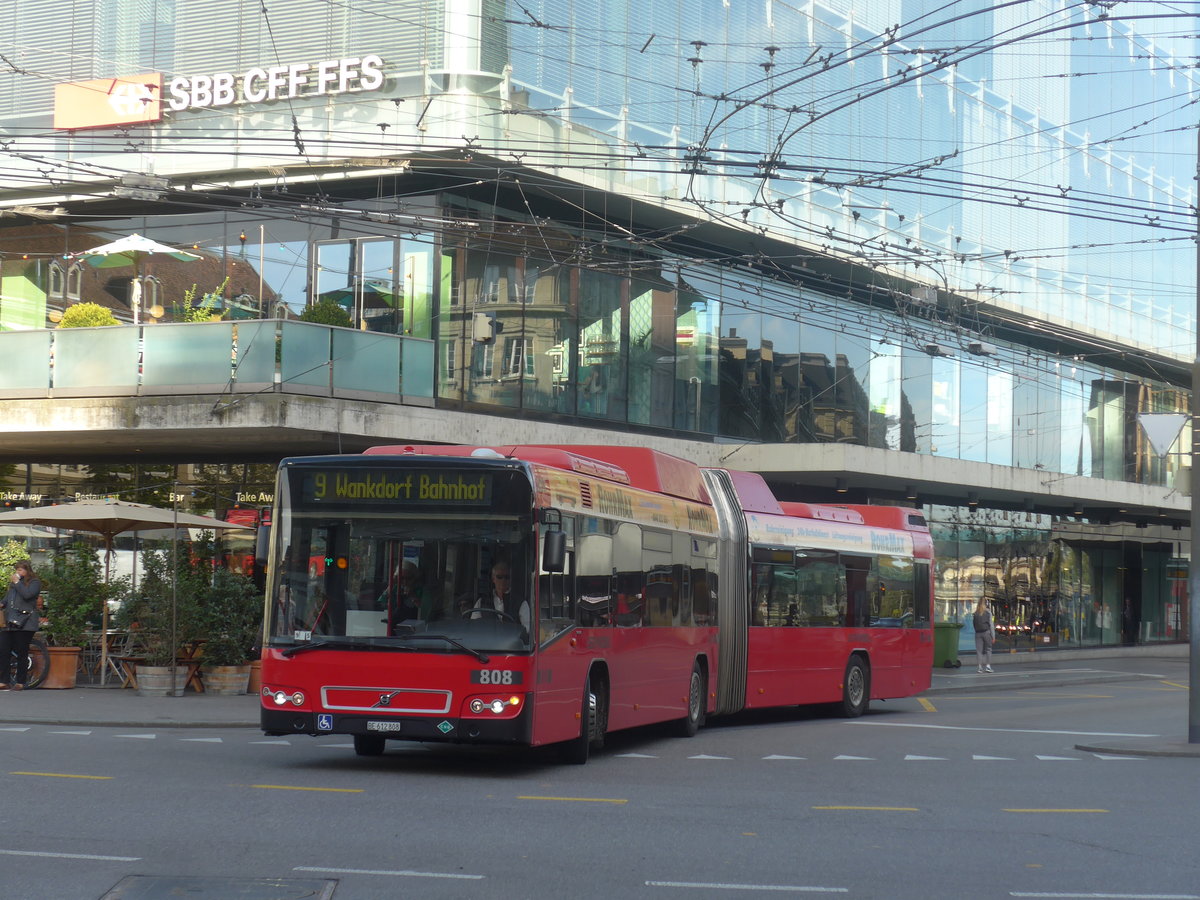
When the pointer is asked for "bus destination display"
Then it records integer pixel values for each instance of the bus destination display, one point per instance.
(396, 487)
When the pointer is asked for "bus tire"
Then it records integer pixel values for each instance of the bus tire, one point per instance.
(856, 688)
(369, 744)
(577, 750)
(697, 693)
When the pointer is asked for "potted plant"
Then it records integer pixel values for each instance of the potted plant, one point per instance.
(74, 594)
(232, 621)
(165, 615)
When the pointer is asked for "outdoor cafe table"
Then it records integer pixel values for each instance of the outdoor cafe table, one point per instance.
(126, 661)
(117, 646)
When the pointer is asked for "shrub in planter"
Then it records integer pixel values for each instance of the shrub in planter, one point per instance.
(232, 619)
(87, 315)
(74, 593)
(326, 312)
(166, 609)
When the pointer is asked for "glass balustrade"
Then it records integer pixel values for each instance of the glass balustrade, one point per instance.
(208, 357)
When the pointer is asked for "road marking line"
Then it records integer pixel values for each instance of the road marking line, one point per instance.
(635, 756)
(992, 758)
(784, 888)
(1056, 810)
(843, 756)
(706, 756)
(778, 756)
(142, 737)
(404, 872)
(1176, 685)
(575, 799)
(872, 808)
(1002, 730)
(14, 728)
(93, 856)
(1105, 896)
(1045, 758)
(63, 775)
(926, 705)
(204, 740)
(912, 756)
(292, 787)
(70, 732)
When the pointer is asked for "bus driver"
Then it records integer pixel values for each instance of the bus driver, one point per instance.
(501, 598)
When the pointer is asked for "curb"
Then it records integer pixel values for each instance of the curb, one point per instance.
(1179, 749)
(1004, 681)
(123, 723)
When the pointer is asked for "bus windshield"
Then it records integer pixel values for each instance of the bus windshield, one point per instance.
(402, 558)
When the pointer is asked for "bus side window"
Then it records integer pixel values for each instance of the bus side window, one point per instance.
(594, 574)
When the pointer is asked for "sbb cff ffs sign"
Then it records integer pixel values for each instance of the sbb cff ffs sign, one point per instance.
(140, 99)
(282, 82)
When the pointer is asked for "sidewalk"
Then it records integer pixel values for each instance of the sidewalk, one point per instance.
(123, 708)
(1058, 668)
(1055, 668)
(118, 707)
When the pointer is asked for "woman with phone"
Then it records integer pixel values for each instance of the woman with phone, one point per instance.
(21, 620)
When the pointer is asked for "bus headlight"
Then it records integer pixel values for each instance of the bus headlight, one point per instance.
(282, 698)
(497, 706)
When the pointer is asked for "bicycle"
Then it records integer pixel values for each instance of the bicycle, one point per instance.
(39, 664)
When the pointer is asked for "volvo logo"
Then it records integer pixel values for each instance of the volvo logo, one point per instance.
(384, 700)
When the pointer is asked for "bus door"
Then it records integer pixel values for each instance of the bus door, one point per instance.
(565, 646)
(918, 657)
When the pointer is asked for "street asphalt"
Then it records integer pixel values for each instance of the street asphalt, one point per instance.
(124, 708)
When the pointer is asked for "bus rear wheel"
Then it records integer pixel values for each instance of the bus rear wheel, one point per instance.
(697, 689)
(369, 744)
(856, 688)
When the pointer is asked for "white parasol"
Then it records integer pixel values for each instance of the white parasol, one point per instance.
(132, 250)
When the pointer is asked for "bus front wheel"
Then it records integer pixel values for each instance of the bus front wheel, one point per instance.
(577, 750)
(856, 688)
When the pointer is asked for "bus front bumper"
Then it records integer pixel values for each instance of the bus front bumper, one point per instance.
(445, 729)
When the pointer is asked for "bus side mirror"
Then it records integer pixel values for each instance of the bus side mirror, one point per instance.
(554, 551)
(262, 544)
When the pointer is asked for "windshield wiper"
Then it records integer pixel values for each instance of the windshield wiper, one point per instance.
(370, 643)
(386, 644)
(482, 657)
(319, 645)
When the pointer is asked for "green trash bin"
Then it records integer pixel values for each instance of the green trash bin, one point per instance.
(945, 644)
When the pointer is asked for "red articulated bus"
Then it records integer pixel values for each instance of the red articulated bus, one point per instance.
(536, 595)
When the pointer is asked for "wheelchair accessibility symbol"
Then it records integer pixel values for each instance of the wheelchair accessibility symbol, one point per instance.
(324, 722)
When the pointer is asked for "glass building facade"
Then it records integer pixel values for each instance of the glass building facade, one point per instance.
(961, 234)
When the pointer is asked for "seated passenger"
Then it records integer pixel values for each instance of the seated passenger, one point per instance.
(411, 599)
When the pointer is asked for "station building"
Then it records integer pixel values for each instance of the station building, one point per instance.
(874, 251)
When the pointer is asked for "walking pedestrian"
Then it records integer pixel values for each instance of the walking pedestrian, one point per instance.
(21, 620)
(985, 635)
